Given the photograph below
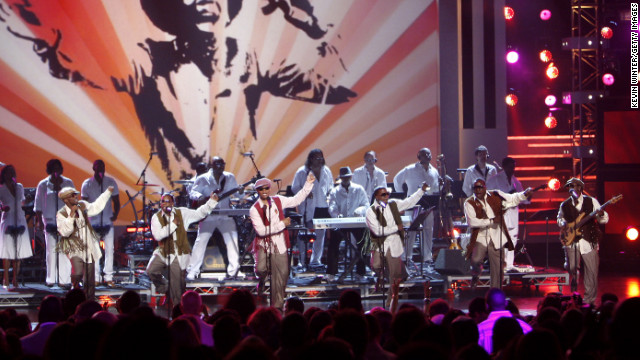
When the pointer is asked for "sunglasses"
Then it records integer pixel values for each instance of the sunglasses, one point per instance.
(384, 194)
(263, 188)
(478, 187)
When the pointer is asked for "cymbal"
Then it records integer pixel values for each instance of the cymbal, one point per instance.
(148, 185)
(183, 182)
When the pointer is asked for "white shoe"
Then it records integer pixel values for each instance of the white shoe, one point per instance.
(191, 277)
(330, 278)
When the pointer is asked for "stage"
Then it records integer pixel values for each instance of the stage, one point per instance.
(309, 286)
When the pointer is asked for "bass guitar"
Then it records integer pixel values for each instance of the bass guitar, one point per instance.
(197, 203)
(575, 229)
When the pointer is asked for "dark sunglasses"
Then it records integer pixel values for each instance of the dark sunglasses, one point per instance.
(478, 187)
(263, 188)
(384, 194)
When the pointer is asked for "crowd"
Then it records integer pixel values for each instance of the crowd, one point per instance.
(76, 328)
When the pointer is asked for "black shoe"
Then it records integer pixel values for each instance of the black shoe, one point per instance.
(260, 287)
(474, 282)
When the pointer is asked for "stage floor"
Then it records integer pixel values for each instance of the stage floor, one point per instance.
(525, 289)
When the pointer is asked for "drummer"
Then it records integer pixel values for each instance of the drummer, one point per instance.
(219, 181)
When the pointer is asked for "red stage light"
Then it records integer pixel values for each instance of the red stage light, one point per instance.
(550, 121)
(608, 79)
(554, 184)
(511, 99)
(509, 13)
(545, 15)
(456, 233)
(606, 32)
(546, 56)
(552, 71)
(631, 233)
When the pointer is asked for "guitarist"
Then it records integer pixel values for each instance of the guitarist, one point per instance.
(577, 206)
(506, 181)
(218, 181)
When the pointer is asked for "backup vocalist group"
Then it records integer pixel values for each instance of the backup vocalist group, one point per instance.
(74, 222)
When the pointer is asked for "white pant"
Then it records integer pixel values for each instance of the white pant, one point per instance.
(52, 258)
(318, 248)
(509, 255)
(108, 258)
(427, 238)
(227, 227)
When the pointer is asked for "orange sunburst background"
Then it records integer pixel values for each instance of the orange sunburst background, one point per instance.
(385, 52)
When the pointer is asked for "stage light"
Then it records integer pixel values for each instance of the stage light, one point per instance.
(545, 56)
(606, 32)
(550, 100)
(456, 233)
(511, 99)
(512, 57)
(631, 233)
(550, 121)
(554, 184)
(608, 79)
(552, 71)
(545, 15)
(509, 13)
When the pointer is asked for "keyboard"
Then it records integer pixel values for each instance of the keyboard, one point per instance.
(349, 222)
(230, 212)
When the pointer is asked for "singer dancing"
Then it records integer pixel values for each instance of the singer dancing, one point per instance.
(272, 238)
(387, 232)
(585, 248)
(489, 234)
(169, 228)
(78, 240)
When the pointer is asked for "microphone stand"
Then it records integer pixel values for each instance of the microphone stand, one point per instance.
(251, 156)
(143, 177)
(170, 302)
(57, 253)
(501, 213)
(269, 253)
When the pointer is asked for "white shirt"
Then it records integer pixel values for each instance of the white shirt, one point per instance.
(393, 243)
(189, 216)
(500, 182)
(277, 226)
(67, 225)
(91, 189)
(490, 231)
(206, 184)
(349, 202)
(47, 198)
(584, 246)
(362, 177)
(474, 173)
(414, 175)
(320, 191)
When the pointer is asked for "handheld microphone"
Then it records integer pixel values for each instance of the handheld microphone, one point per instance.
(2, 164)
(573, 194)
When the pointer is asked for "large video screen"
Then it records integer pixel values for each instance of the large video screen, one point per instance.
(179, 81)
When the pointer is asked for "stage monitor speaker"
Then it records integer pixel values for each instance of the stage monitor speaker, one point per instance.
(213, 260)
(451, 262)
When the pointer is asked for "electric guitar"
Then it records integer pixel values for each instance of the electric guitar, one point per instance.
(197, 203)
(574, 230)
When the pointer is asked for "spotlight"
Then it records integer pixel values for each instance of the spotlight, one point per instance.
(631, 233)
(511, 99)
(512, 57)
(608, 79)
(545, 56)
(606, 32)
(508, 13)
(545, 15)
(552, 71)
(554, 184)
(550, 121)
(550, 100)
